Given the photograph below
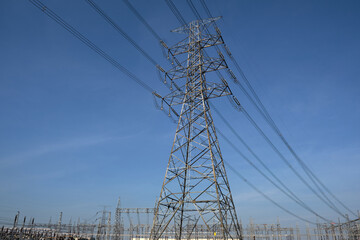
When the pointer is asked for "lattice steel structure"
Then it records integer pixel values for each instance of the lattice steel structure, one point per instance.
(117, 227)
(195, 190)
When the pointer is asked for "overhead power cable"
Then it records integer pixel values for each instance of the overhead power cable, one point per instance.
(282, 157)
(176, 12)
(91, 45)
(264, 195)
(325, 199)
(206, 8)
(284, 189)
(193, 9)
(151, 30)
(122, 32)
(127, 37)
(197, 15)
(138, 15)
(270, 121)
(263, 111)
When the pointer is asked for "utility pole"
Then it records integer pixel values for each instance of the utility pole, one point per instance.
(196, 189)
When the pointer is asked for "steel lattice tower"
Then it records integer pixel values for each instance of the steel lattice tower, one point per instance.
(195, 193)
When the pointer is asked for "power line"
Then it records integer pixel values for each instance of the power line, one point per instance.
(263, 194)
(325, 199)
(270, 121)
(197, 15)
(266, 115)
(138, 15)
(288, 192)
(176, 12)
(122, 32)
(91, 45)
(126, 36)
(147, 25)
(206, 8)
(252, 121)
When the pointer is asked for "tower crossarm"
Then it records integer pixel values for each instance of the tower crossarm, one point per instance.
(201, 24)
(207, 64)
(207, 40)
(173, 100)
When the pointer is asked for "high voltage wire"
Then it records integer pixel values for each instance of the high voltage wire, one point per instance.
(109, 20)
(326, 200)
(91, 45)
(127, 37)
(193, 9)
(272, 125)
(182, 20)
(270, 121)
(176, 12)
(137, 14)
(265, 176)
(267, 117)
(197, 15)
(206, 8)
(263, 194)
(122, 32)
(147, 25)
(282, 157)
(289, 193)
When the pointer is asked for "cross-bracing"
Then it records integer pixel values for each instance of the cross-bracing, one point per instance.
(196, 189)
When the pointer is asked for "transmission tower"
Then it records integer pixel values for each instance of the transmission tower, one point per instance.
(195, 192)
(117, 228)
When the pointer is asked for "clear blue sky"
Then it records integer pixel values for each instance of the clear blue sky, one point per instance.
(76, 133)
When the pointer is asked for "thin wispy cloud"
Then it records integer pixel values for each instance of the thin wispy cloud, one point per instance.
(46, 148)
